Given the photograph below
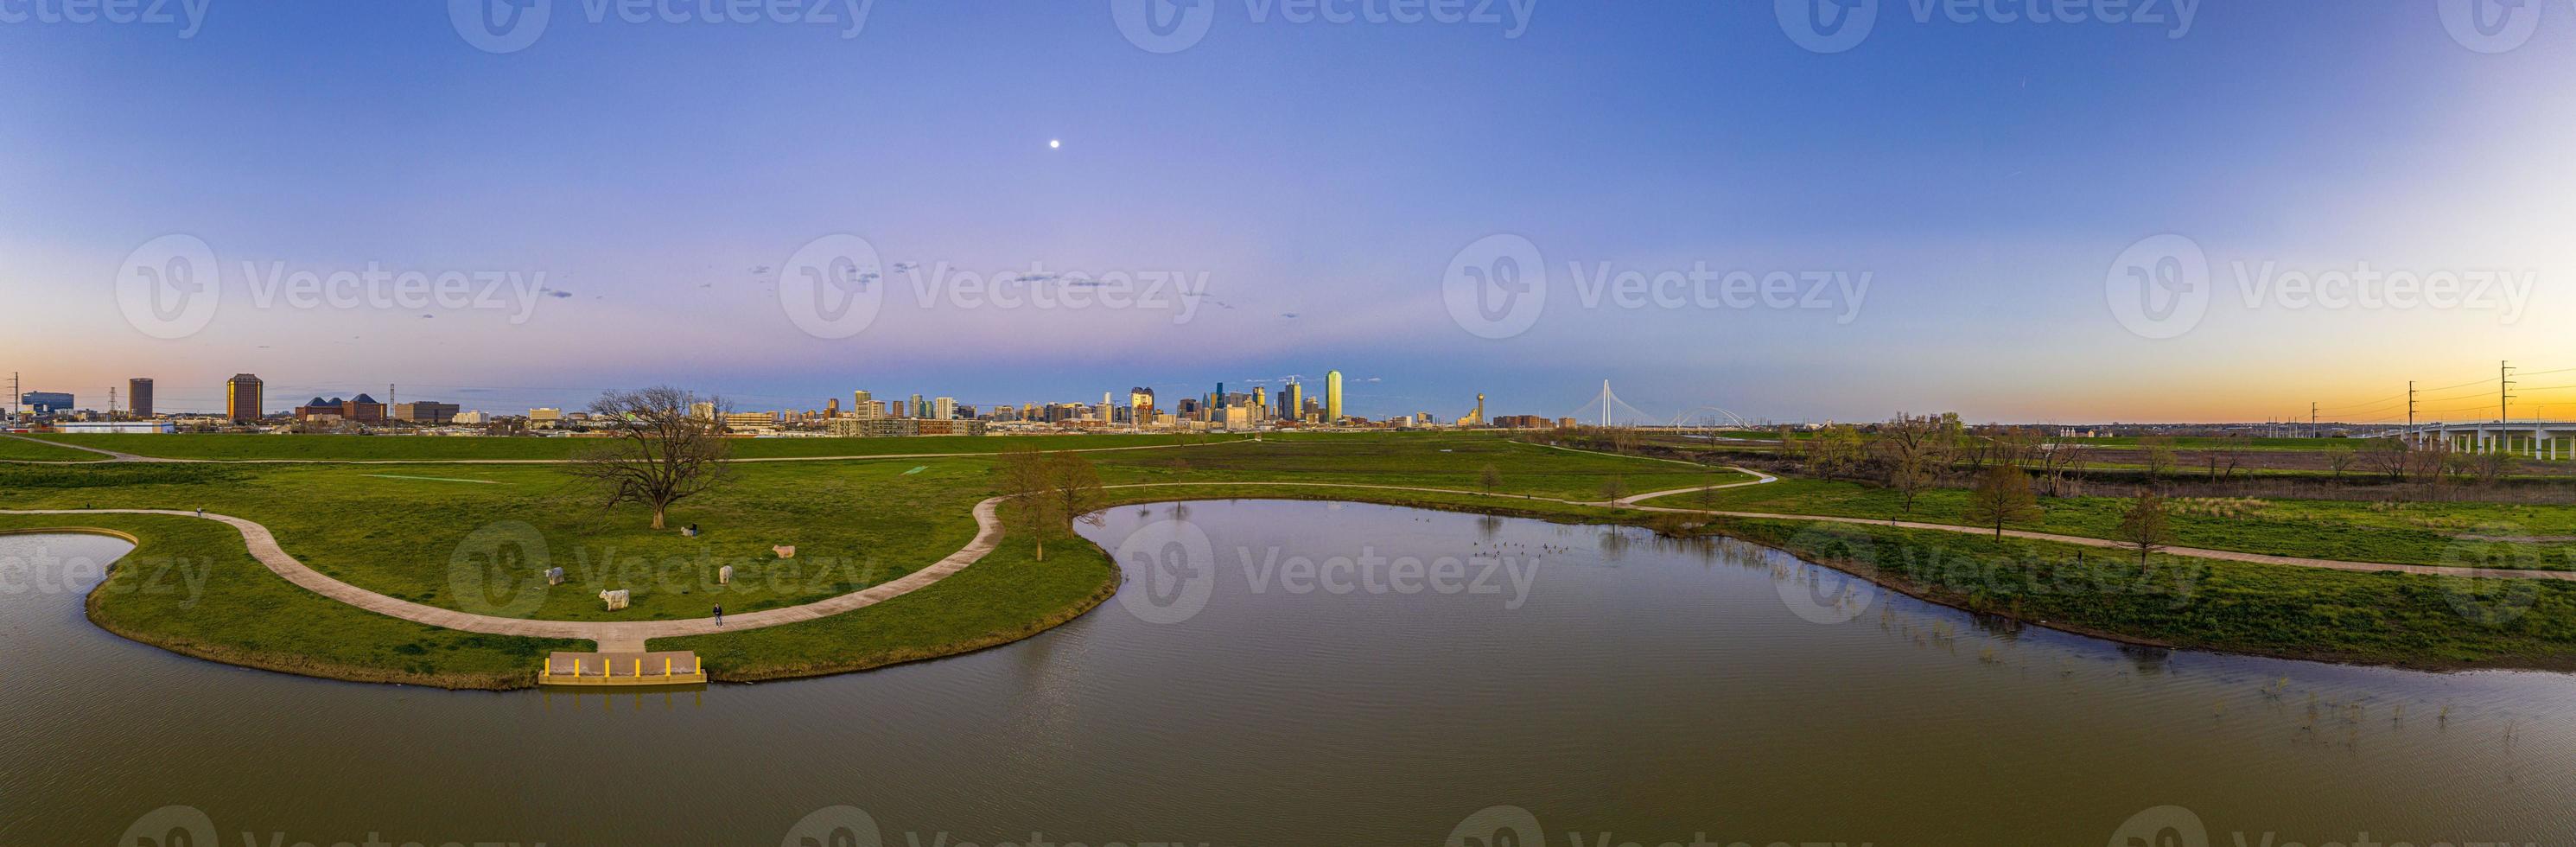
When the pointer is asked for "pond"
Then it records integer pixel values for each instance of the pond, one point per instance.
(1307, 673)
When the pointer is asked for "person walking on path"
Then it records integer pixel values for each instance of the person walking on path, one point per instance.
(720, 614)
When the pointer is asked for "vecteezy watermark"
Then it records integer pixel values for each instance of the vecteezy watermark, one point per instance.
(1824, 595)
(1498, 287)
(2176, 826)
(833, 287)
(172, 286)
(851, 826)
(1514, 826)
(2492, 600)
(2491, 26)
(46, 573)
(1171, 26)
(189, 826)
(1178, 571)
(509, 26)
(506, 569)
(187, 16)
(1834, 26)
(2161, 287)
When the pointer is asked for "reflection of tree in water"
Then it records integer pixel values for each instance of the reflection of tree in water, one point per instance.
(1489, 526)
(2150, 661)
(1707, 549)
(1614, 544)
(1180, 511)
(2000, 626)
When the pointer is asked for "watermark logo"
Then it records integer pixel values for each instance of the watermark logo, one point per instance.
(1497, 287)
(1827, 26)
(1163, 26)
(832, 287)
(1171, 26)
(835, 826)
(187, 15)
(1497, 826)
(2491, 26)
(2159, 288)
(1177, 566)
(500, 570)
(170, 287)
(2162, 826)
(171, 826)
(509, 26)
(1822, 595)
(2491, 601)
(500, 26)
(1835, 26)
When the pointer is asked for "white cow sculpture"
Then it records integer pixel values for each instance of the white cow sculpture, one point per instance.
(616, 599)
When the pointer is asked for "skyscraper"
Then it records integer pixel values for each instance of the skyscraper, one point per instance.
(943, 408)
(242, 398)
(1292, 404)
(1332, 397)
(138, 395)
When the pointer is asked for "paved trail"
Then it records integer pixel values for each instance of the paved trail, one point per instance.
(630, 637)
(611, 636)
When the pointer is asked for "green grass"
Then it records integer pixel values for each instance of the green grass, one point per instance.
(2411, 533)
(191, 587)
(28, 449)
(244, 446)
(857, 523)
(2276, 610)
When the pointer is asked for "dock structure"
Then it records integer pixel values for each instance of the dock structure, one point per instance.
(626, 669)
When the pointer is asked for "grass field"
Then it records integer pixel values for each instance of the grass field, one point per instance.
(27, 449)
(2454, 534)
(246, 446)
(435, 533)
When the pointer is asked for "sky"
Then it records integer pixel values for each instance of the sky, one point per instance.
(1951, 207)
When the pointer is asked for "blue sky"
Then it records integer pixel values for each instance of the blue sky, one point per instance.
(1984, 176)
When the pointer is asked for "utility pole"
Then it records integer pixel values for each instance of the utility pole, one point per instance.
(2312, 419)
(2410, 410)
(2504, 392)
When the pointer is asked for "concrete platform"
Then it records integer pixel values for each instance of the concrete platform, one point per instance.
(679, 667)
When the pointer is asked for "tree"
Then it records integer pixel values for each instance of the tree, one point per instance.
(1908, 451)
(2339, 458)
(2386, 457)
(1490, 477)
(2158, 453)
(663, 446)
(2144, 527)
(1613, 489)
(1045, 492)
(1835, 452)
(2002, 497)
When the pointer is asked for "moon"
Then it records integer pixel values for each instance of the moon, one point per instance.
(1053, 143)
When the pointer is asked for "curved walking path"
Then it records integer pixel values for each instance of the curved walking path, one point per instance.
(2104, 543)
(630, 636)
(611, 636)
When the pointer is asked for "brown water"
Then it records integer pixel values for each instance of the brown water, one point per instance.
(1632, 689)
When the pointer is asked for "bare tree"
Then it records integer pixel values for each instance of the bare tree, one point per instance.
(2339, 458)
(2158, 453)
(663, 446)
(2002, 497)
(1908, 449)
(1490, 477)
(2144, 528)
(1044, 493)
(1614, 489)
(2384, 457)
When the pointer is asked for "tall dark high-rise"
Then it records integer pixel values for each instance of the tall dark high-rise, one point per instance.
(138, 396)
(243, 395)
